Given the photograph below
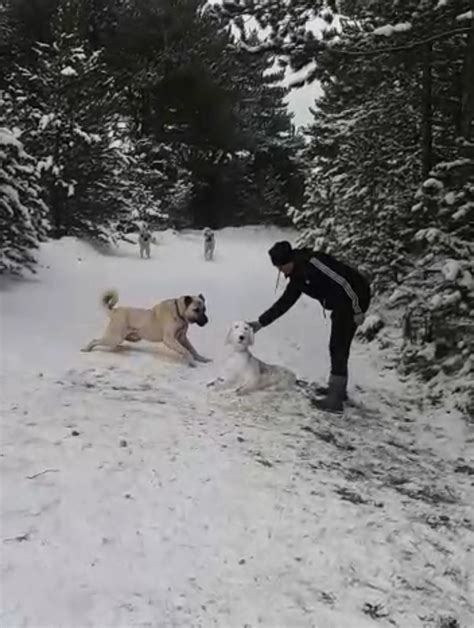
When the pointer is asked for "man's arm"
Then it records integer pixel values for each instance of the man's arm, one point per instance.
(280, 307)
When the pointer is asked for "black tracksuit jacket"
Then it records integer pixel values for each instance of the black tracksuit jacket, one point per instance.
(322, 277)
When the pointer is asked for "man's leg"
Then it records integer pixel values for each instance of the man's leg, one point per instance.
(342, 332)
(343, 329)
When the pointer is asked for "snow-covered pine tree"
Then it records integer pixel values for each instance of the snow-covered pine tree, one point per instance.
(23, 222)
(270, 208)
(438, 322)
(178, 200)
(66, 110)
(354, 176)
(197, 93)
(141, 187)
(315, 219)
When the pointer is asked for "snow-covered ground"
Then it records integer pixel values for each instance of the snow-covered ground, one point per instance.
(132, 495)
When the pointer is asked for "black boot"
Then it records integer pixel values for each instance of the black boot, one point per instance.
(320, 391)
(333, 401)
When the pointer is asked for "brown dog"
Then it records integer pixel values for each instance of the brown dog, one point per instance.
(166, 322)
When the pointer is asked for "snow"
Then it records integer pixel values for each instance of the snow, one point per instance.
(11, 193)
(430, 235)
(45, 164)
(89, 138)
(398, 296)
(387, 30)
(433, 183)
(467, 280)
(456, 163)
(68, 71)
(461, 212)
(45, 120)
(451, 269)
(371, 326)
(7, 138)
(134, 496)
(436, 301)
(465, 16)
(450, 198)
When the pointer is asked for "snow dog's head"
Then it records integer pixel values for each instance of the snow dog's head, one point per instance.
(240, 335)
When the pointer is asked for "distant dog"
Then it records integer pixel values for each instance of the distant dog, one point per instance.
(209, 244)
(144, 242)
(245, 372)
(166, 322)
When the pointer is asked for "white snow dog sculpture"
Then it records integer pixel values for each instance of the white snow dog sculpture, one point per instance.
(246, 373)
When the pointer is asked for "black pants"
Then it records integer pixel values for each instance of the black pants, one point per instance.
(343, 329)
(342, 333)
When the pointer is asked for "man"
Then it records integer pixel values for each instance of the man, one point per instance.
(339, 288)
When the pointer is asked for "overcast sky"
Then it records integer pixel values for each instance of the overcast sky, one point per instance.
(300, 100)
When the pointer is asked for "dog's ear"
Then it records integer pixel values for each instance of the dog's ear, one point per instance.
(187, 301)
(201, 296)
(228, 336)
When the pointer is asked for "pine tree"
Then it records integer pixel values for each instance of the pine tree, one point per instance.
(187, 89)
(179, 200)
(23, 223)
(67, 116)
(438, 327)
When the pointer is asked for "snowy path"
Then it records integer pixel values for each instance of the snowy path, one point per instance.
(132, 496)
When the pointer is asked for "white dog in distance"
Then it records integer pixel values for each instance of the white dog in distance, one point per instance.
(145, 239)
(209, 244)
(246, 373)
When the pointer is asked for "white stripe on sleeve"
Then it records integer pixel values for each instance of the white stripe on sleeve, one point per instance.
(342, 281)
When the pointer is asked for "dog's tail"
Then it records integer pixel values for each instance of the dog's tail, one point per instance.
(110, 299)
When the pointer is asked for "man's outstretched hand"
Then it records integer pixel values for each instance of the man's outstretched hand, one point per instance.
(255, 325)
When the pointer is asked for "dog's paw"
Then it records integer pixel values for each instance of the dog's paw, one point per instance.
(192, 364)
(203, 360)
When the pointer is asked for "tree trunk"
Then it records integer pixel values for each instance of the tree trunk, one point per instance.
(467, 96)
(144, 112)
(56, 209)
(427, 112)
(55, 206)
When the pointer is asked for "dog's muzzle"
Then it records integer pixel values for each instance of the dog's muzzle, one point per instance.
(202, 320)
